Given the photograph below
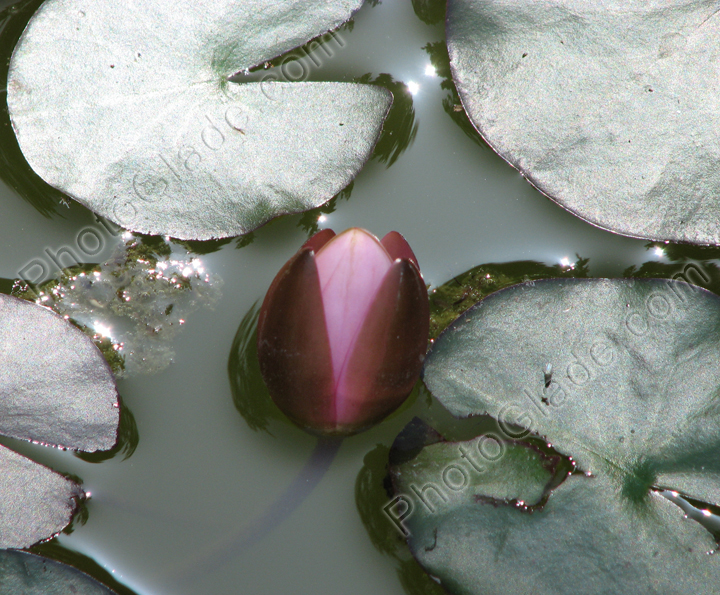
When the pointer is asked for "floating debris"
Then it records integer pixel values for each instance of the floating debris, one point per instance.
(133, 304)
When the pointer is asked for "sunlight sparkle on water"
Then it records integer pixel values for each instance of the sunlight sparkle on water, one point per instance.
(430, 70)
(102, 329)
(322, 219)
(659, 252)
(413, 87)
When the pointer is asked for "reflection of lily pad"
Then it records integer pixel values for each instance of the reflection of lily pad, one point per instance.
(608, 109)
(27, 574)
(624, 377)
(249, 392)
(142, 125)
(57, 389)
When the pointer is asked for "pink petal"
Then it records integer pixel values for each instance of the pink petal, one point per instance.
(293, 347)
(397, 247)
(388, 354)
(351, 268)
(318, 240)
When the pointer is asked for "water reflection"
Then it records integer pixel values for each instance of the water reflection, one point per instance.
(14, 170)
(309, 56)
(697, 265)
(310, 221)
(400, 128)
(219, 554)
(372, 493)
(202, 247)
(686, 251)
(250, 395)
(451, 103)
(430, 11)
(127, 440)
(205, 247)
(707, 515)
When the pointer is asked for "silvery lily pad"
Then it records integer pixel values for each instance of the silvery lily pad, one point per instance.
(610, 110)
(27, 574)
(35, 502)
(55, 386)
(624, 377)
(128, 109)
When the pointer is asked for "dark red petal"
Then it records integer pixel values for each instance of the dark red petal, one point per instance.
(293, 346)
(389, 352)
(397, 247)
(319, 240)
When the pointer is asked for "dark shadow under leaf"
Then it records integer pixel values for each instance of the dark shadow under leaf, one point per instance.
(14, 170)
(54, 551)
(439, 58)
(127, 441)
(429, 12)
(250, 395)
(400, 128)
(372, 497)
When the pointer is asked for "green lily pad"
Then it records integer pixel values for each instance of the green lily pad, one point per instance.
(609, 109)
(623, 376)
(584, 539)
(143, 124)
(27, 574)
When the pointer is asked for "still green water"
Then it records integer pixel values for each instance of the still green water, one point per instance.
(200, 473)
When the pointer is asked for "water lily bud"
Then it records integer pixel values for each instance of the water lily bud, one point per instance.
(343, 330)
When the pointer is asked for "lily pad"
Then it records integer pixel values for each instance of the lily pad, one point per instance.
(624, 377)
(608, 109)
(143, 125)
(55, 386)
(27, 574)
(35, 502)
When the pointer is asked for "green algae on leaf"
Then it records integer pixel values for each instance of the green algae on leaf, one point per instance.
(452, 298)
(147, 128)
(624, 377)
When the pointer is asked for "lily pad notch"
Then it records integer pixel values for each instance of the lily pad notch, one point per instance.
(143, 126)
(633, 400)
(56, 389)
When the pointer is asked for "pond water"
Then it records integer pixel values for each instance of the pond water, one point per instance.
(160, 519)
